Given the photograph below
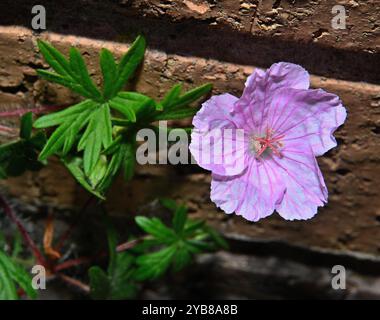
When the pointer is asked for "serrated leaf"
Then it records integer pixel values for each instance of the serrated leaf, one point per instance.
(26, 125)
(79, 67)
(129, 63)
(109, 71)
(55, 59)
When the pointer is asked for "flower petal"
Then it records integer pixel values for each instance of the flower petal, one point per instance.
(305, 187)
(313, 115)
(253, 194)
(262, 85)
(216, 142)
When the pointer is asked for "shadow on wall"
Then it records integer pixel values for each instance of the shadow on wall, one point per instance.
(106, 20)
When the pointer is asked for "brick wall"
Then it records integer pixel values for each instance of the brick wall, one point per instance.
(198, 41)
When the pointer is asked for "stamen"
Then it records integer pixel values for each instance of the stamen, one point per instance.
(268, 142)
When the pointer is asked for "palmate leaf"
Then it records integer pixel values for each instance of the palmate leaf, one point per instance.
(89, 123)
(86, 129)
(177, 244)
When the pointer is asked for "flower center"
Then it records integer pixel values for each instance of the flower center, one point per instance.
(268, 142)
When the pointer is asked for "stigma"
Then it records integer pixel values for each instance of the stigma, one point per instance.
(270, 142)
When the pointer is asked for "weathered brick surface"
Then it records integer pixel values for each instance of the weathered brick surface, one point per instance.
(349, 222)
(306, 21)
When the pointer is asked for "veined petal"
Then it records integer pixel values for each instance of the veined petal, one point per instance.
(217, 144)
(311, 115)
(253, 194)
(305, 187)
(261, 86)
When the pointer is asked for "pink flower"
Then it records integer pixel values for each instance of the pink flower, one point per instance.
(285, 126)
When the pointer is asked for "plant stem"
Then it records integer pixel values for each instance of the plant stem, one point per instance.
(129, 244)
(74, 282)
(84, 260)
(72, 263)
(39, 110)
(28, 240)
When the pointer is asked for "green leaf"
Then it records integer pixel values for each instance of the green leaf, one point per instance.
(193, 95)
(129, 161)
(172, 96)
(113, 167)
(182, 258)
(122, 286)
(93, 142)
(66, 82)
(156, 228)
(112, 239)
(55, 59)
(64, 135)
(97, 174)
(26, 125)
(109, 71)
(122, 107)
(193, 226)
(7, 287)
(68, 114)
(74, 165)
(153, 265)
(217, 238)
(176, 114)
(79, 67)
(169, 204)
(129, 62)
(11, 272)
(105, 120)
(18, 156)
(99, 283)
(179, 219)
